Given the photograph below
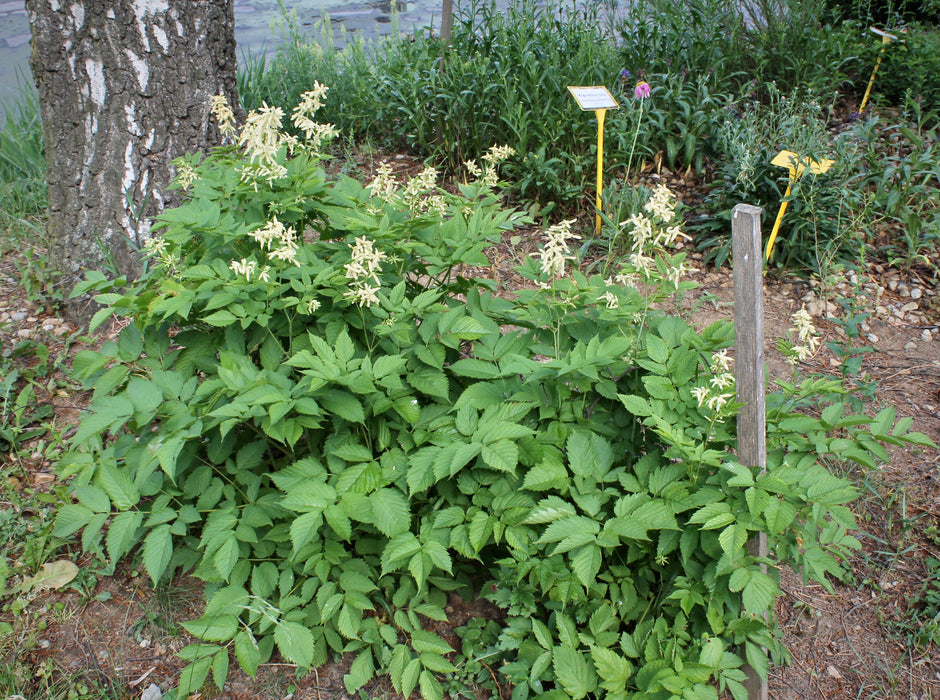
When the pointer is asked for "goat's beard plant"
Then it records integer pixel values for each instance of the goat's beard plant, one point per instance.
(316, 413)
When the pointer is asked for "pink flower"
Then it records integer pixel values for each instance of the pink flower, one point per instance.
(642, 90)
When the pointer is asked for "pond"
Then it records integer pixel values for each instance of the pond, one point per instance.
(255, 28)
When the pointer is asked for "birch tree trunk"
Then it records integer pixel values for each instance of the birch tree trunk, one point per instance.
(124, 88)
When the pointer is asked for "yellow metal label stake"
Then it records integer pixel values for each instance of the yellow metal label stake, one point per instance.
(797, 166)
(885, 40)
(598, 99)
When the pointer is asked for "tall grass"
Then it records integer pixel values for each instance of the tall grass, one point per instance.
(22, 158)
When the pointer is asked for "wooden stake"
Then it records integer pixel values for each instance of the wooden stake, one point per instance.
(749, 367)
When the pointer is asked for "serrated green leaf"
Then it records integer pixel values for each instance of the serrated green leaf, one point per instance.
(502, 455)
(158, 550)
(760, 593)
(614, 670)
(122, 533)
(247, 652)
(586, 563)
(304, 528)
(574, 672)
(220, 668)
(213, 628)
(118, 485)
(295, 642)
(225, 557)
(436, 663)
(548, 510)
(399, 549)
(360, 672)
(430, 687)
(390, 511)
(637, 405)
(424, 641)
(70, 519)
(93, 498)
(344, 405)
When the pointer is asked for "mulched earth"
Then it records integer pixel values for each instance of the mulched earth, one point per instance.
(848, 643)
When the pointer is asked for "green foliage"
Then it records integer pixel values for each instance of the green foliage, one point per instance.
(823, 211)
(22, 157)
(335, 428)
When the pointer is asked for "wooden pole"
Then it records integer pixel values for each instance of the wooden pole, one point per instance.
(749, 367)
(447, 20)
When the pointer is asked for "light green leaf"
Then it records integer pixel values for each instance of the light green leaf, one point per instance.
(586, 563)
(226, 557)
(247, 652)
(614, 670)
(122, 533)
(158, 549)
(574, 672)
(430, 687)
(390, 511)
(398, 549)
(424, 641)
(220, 668)
(94, 498)
(70, 519)
(343, 404)
(636, 405)
(213, 628)
(118, 486)
(304, 529)
(760, 593)
(502, 455)
(360, 672)
(295, 642)
(548, 510)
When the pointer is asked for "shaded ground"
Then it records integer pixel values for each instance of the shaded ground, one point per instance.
(849, 643)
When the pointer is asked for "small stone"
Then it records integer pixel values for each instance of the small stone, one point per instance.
(881, 311)
(893, 285)
(44, 644)
(103, 655)
(833, 672)
(926, 336)
(909, 306)
(152, 692)
(865, 327)
(917, 293)
(880, 269)
(24, 333)
(31, 319)
(19, 315)
(831, 309)
(910, 345)
(903, 291)
(48, 327)
(812, 308)
(144, 643)
(872, 338)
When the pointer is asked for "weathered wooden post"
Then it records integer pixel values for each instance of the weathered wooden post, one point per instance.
(749, 366)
